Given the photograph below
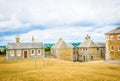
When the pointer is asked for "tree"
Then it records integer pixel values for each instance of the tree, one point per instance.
(4, 52)
(47, 49)
(0, 52)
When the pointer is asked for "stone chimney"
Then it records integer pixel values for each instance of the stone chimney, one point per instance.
(87, 37)
(32, 38)
(60, 39)
(17, 39)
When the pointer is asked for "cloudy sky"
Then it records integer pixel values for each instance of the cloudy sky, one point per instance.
(48, 20)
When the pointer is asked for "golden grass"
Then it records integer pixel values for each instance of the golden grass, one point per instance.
(57, 70)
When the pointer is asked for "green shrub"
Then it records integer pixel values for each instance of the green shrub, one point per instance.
(47, 49)
(4, 52)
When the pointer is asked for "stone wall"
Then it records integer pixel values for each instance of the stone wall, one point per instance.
(89, 54)
(29, 55)
(66, 54)
(112, 54)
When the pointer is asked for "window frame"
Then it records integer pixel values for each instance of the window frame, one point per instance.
(39, 52)
(97, 49)
(12, 53)
(32, 52)
(111, 49)
(118, 37)
(119, 48)
(112, 37)
(18, 52)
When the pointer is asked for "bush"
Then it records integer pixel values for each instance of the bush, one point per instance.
(4, 52)
(0, 53)
(47, 49)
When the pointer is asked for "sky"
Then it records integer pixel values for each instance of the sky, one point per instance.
(48, 20)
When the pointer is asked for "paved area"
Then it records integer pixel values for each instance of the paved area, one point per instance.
(109, 62)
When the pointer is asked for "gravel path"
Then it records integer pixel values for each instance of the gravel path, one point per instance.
(108, 62)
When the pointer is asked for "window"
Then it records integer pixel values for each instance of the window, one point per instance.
(118, 37)
(112, 48)
(118, 48)
(18, 52)
(11, 52)
(32, 52)
(111, 37)
(81, 49)
(97, 49)
(39, 53)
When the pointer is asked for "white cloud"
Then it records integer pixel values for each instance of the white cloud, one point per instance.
(59, 17)
(70, 34)
(63, 11)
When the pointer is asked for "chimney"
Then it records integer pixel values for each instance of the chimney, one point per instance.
(17, 39)
(32, 38)
(60, 39)
(87, 37)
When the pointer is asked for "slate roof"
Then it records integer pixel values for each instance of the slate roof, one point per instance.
(101, 44)
(114, 31)
(90, 43)
(56, 44)
(62, 44)
(24, 45)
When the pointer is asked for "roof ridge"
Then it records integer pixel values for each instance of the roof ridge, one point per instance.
(89, 43)
(114, 31)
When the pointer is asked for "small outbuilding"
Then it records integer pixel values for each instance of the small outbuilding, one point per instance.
(62, 50)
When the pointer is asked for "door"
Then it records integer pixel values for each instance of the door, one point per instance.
(91, 57)
(25, 54)
(84, 58)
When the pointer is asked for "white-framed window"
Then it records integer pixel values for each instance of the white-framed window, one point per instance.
(111, 37)
(39, 52)
(11, 52)
(112, 48)
(118, 48)
(32, 52)
(18, 52)
(118, 37)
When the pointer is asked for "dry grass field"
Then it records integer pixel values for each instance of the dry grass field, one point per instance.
(57, 70)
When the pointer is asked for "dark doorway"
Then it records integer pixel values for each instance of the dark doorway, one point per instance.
(78, 57)
(25, 54)
(91, 57)
(84, 58)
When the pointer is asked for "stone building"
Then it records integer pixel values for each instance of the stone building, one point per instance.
(24, 50)
(62, 50)
(113, 44)
(89, 50)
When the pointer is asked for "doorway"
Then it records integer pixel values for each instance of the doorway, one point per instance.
(84, 58)
(25, 54)
(91, 57)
